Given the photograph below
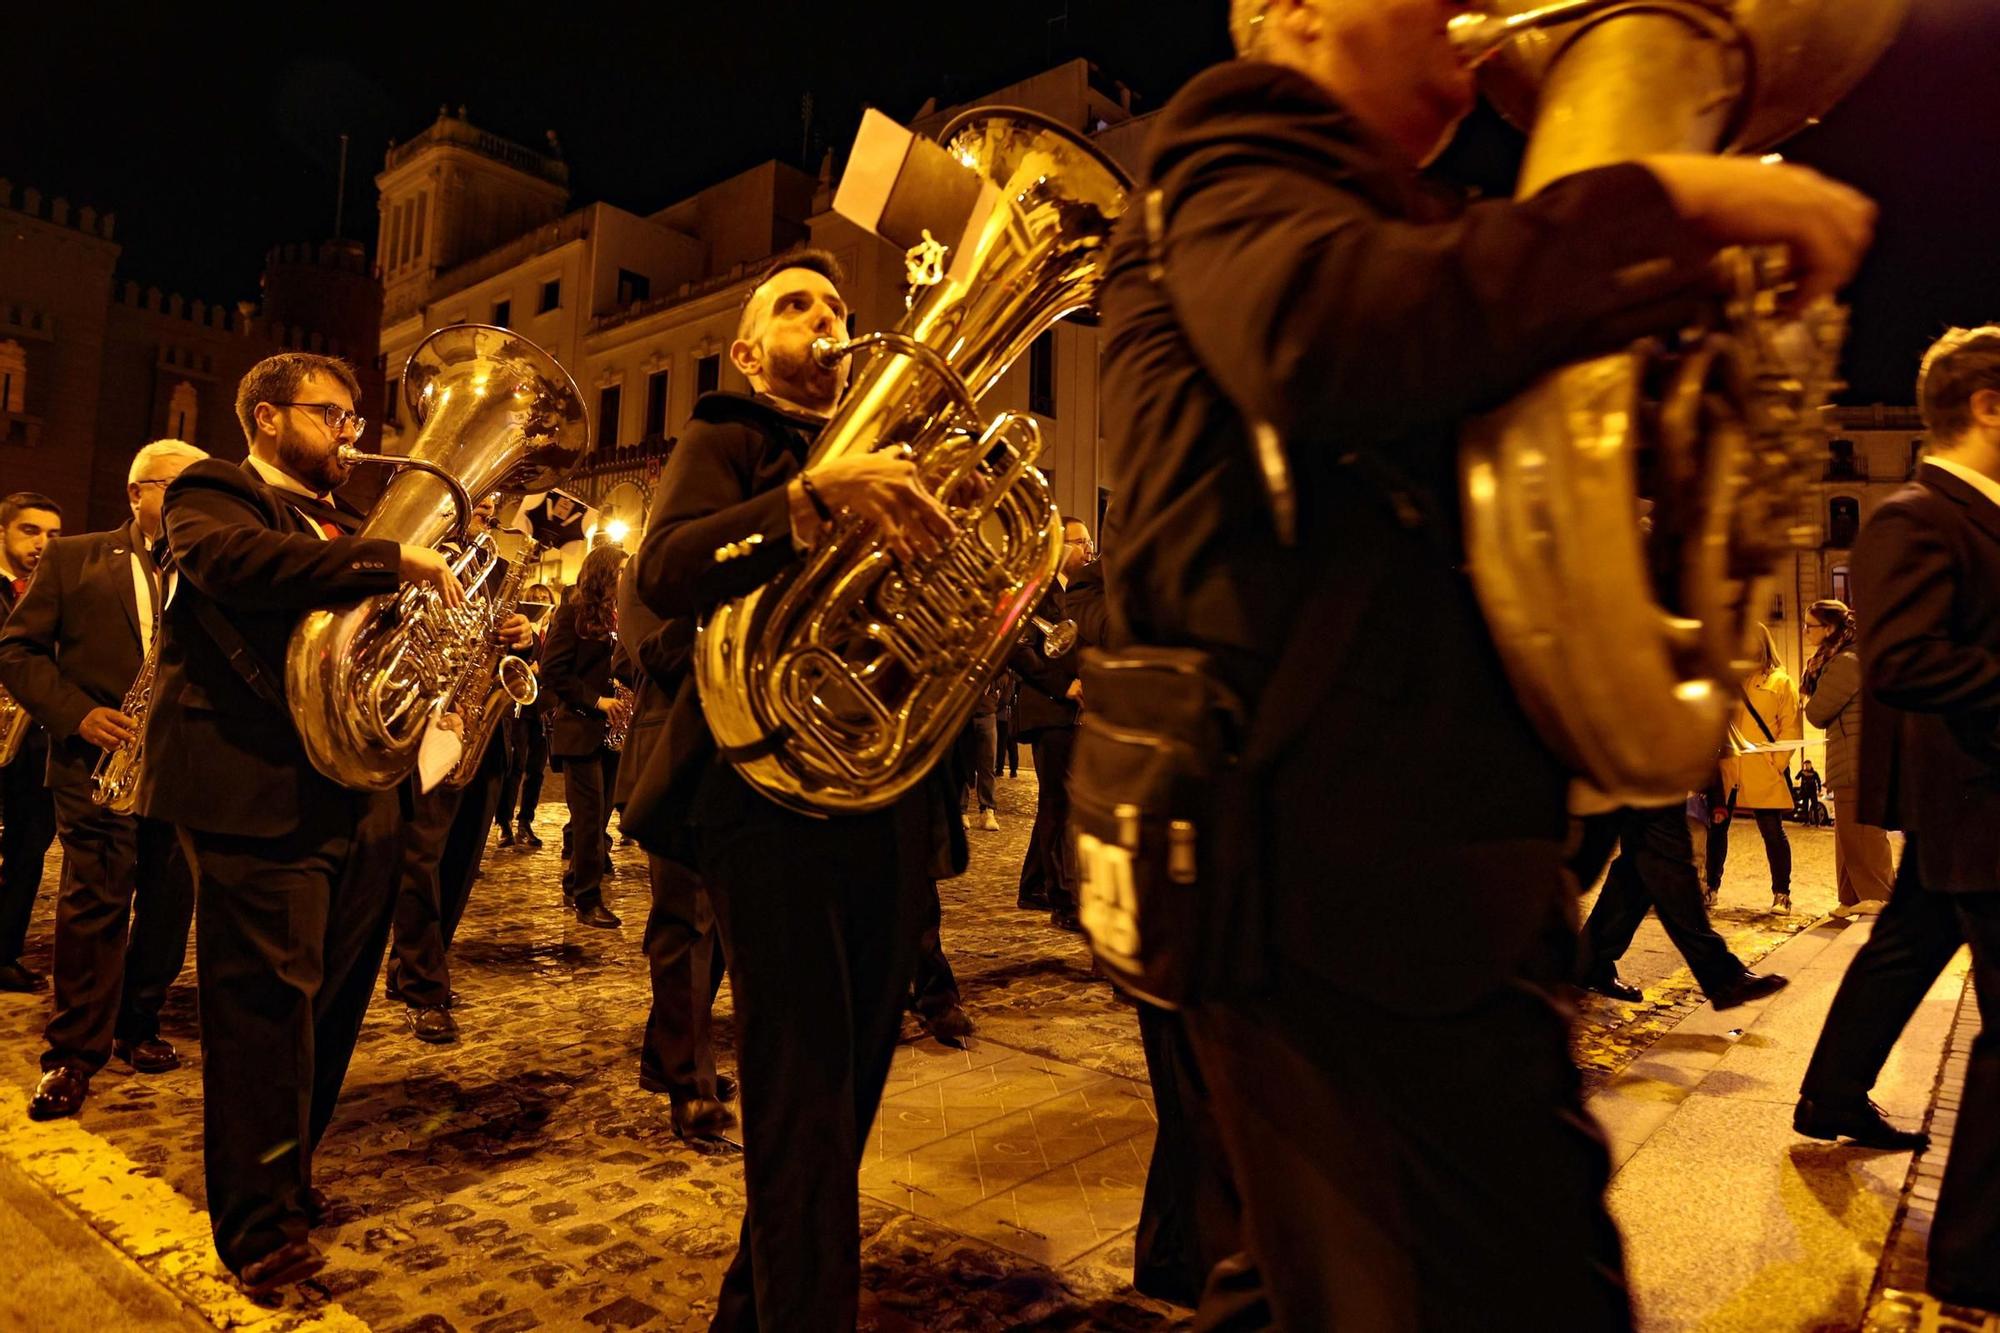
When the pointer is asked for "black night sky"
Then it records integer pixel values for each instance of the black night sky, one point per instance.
(213, 133)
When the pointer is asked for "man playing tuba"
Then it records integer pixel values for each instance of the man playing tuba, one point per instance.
(1295, 346)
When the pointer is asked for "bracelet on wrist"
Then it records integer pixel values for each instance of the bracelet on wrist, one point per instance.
(813, 498)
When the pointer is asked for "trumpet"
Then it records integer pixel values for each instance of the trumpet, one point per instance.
(1057, 639)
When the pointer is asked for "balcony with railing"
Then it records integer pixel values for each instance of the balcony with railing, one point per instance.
(457, 131)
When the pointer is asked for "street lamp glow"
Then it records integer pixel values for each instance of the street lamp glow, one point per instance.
(617, 528)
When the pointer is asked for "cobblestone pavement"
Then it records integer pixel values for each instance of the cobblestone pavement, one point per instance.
(520, 1179)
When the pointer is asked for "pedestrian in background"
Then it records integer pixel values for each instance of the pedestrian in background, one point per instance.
(1767, 712)
(1863, 866)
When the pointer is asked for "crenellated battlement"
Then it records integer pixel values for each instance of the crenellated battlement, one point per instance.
(57, 211)
(333, 256)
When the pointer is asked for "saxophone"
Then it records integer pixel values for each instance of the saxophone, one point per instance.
(366, 682)
(618, 722)
(493, 682)
(837, 686)
(114, 782)
(1623, 639)
(14, 724)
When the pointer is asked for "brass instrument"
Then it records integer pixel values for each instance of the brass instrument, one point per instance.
(365, 682)
(494, 682)
(837, 685)
(618, 722)
(114, 782)
(1057, 639)
(1623, 642)
(14, 724)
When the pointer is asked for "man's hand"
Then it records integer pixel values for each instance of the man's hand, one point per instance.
(1075, 693)
(107, 728)
(420, 564)
(606, 704)
(516, 631)
(884, 490)
(1740, 201)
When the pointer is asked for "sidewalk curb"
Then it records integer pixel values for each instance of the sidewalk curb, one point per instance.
(149, 1222)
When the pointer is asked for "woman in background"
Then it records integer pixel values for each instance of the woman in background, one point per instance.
(576, 669)
(1767, 714)
(1862, 864)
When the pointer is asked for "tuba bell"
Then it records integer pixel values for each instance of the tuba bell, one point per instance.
(365, 682)
(836, 686)
(1623, 638)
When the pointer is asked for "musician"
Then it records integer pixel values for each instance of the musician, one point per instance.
(577, 669)
(820, 916)
(1292, 354)
(442, 844)
(1928, 579)
(291, 903)
(69, 653)
(527, 751)
(1045, 714)
(28, 522)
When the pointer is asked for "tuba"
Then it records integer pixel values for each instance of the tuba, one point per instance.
(365, 682)
(14, 724)
(1623, 638)
(836, 686)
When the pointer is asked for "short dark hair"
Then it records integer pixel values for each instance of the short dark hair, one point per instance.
(11, 507)
(812, 258)
(1957, 366)
(276, 379)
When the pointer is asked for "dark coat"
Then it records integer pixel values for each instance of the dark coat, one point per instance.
(35, 742)
(1309, 283)
(1043, 701)
(1927, 579)
(72, 645)
(576, 669)
(221, 756)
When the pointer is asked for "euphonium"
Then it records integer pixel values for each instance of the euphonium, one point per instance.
(14, 724)
(836, 687)
(1623, 638)
(495, 413)
(114, 782)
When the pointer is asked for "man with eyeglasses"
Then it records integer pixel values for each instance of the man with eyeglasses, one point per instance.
(291, 871)
(69, 653)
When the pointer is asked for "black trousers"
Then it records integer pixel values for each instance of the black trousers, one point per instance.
(1777, 850)
(289, 933)
(1913, 939)
(1416, 1171)
(1048, 871)
(27, 828)
(1190, 1218)
(442, 844)
(587, 783)
(821, 918)
(685, 959)
(1654, 869)
(1007, 753)
(118, 871)
(528, 761)
(933, 989)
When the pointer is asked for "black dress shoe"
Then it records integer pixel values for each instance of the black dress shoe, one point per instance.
(1863, 1123)
(1977, 1294)
(506, 836)
(526, 836)
(294, 1261)
(1065, 918)
(1749, 986)
(315, 1205)
(1606, 983)
(1032, 902)
(60, 1093)
(949, 1024)
(597, 914)
(701, 1118)
(725, 1088)
(433, 1023)
(15, 977)
(151, 1056)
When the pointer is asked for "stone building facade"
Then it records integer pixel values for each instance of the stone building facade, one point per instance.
(91, 368)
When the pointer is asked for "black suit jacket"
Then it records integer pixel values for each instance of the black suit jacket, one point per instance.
(576, 669)
(35, 744)
(73, 642)
(1927, 579)
(221, 757)
(1044, 700)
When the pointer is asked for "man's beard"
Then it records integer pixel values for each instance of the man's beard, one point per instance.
(798, 378)
(323, 472)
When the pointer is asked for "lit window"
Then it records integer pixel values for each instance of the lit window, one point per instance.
(182, 411)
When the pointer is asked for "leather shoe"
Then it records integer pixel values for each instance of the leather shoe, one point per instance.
(1606, 982)
(315, 1205)
(433, 1023)
(725, 1088)
(597, 914)
(506, 836)
(1975, 1295)
(151, 1056)
(701, 1118)
(1032, 902)
(1065, 918)
(1864, 1124)
(60, 1093)
(1749, 986)
(525, 835)
(949, 1024)
(294, 1261)
(15, 977)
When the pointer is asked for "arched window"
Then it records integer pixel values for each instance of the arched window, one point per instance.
(1843, 521)
(13, 378)
(181, 412)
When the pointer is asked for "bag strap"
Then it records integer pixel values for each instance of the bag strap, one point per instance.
(241, 656)
(1762, 725)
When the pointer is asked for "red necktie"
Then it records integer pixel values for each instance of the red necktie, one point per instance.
(20, 589)
(332, 530)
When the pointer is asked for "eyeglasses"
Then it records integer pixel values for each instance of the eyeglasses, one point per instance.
(334, 415)
(154, 481)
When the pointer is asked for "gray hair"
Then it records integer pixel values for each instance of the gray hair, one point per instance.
(158, 450)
